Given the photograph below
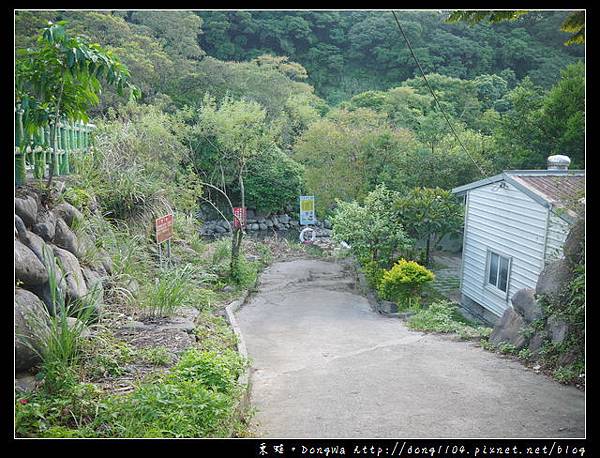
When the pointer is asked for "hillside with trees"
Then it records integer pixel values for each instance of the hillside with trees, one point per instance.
(197, 112)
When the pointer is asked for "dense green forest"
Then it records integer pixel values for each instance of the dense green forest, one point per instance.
(341, 87)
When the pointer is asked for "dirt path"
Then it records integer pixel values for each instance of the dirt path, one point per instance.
(325, 365)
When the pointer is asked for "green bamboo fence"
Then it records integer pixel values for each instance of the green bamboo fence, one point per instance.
(34, 152)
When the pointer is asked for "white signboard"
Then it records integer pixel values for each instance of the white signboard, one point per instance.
(307, 210)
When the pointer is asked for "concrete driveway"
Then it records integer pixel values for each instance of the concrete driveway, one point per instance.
(325, 365)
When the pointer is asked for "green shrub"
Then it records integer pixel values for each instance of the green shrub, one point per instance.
(443, 316)
(372, 230)
(273, 181)
(438, 317)
(245, 273)
(507, 348)
(104, 356)
(525, 354)
(404, 282)
(59, 414)
(171, 290)
(373, 273)
(265, 253)
(570, 373)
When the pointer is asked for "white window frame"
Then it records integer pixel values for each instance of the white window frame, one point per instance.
(486, 283)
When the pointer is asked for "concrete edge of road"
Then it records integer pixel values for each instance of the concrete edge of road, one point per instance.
(244, 379)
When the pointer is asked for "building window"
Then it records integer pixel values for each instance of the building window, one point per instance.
(498, 270)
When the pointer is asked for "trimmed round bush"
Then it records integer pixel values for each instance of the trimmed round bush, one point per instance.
(404, 282)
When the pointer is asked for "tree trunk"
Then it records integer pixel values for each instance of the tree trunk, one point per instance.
(427, 250)
(237, 234)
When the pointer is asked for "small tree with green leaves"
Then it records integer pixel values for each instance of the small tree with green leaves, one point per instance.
(372, 229)
(238, 131)
(61, 78)
(429, 214)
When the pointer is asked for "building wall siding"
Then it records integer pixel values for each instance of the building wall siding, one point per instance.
(558, 230)
(506, 221)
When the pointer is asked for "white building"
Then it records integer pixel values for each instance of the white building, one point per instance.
(515, 223)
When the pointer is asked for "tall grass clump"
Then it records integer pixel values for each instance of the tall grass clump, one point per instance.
(58, 339)
(171, 290)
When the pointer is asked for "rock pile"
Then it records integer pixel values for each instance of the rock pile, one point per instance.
(257, 222)
(46, 249)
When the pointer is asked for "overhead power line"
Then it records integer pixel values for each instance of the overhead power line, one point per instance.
(435, 97)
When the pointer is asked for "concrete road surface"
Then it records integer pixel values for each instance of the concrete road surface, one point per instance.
(325, 365)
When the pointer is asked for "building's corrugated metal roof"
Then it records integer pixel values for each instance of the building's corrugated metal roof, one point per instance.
(561, 190)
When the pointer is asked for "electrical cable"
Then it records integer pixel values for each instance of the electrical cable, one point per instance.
(435, 97)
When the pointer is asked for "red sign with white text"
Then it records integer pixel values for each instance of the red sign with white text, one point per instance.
(239, 217)
(164, 228)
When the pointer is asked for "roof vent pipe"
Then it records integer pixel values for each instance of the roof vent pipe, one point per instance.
(558, 162)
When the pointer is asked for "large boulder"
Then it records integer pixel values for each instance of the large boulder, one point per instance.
(28, 268)
(525, 305)
(536, 342)
(31, 323)
(509, 329)
(20, 229)
(554, 278)
(46, 226)
(36, 244)
(557, 329)
(75, 281)
(574, 246)
(26, 208)
(68, 213)
(66, 238)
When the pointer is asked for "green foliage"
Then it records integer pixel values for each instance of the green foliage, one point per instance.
(196, 399)
(178, 30)
(140, 167)
(574, 23)
(349, 52)
(569, 374)
(348, 153)
(372, 230)
(105, 356)
(525, 354)
(373, 273)
(568, 307)
(443, 316)
(244, 274)
(171, 290)
(58, 339)
(156, 356)
(59, 414)
(562, 116)
(214, 333)
(61, 75)
(404, 282)
(429, 214)
(273, 181)
(507, 348)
